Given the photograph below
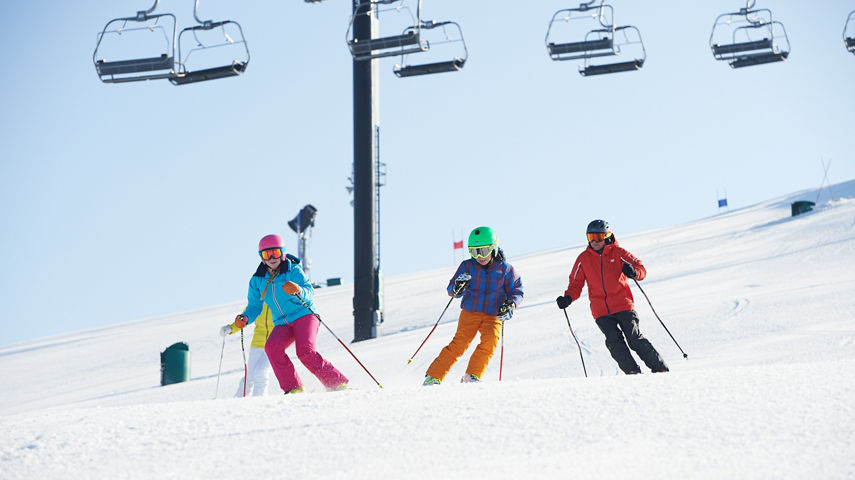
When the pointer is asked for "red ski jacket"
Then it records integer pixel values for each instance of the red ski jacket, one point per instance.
(608, 289)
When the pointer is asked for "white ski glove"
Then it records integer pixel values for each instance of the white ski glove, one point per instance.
(225, 330)
(506, 311)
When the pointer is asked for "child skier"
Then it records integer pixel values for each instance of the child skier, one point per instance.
(605, 266)
(258, 366)
(279, 283)
(491, 290)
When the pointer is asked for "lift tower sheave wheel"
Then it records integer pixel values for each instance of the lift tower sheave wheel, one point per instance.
(137, 48)
(219, 50)
(448, 43)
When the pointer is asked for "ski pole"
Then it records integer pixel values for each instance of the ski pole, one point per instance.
(660, 320)
(243, 351)
(339, 340)
(502, 351)
(219, 370)
(577, 343)
(434, 327)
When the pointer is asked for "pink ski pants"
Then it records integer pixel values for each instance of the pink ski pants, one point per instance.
(303, 332)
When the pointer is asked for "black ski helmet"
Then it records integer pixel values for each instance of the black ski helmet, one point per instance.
(598, 226)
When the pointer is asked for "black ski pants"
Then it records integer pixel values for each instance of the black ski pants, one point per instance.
(620, 325)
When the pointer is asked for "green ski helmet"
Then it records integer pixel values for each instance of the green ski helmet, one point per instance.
(483, 237)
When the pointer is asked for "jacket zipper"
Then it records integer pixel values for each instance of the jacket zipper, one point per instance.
(274, 299)
(487, 280)
(603, 281)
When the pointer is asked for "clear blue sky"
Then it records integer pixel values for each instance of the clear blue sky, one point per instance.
(121, 202)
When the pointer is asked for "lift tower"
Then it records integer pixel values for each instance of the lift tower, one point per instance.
(366, 101)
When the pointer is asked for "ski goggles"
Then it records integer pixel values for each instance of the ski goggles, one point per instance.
(598, 237)
(481, 252)
(270, 253)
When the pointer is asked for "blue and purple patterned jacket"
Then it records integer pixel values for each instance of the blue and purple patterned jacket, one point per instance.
(490, 286)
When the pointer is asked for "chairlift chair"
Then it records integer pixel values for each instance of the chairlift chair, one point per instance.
(137, 48)
(451, 36)
(582, 32)
(401, 16)
(749, 37)
(849, 32)
(627, 45)
(220, 40)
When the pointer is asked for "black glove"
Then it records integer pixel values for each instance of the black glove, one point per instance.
(563, 301)
(628, 270)
(461, 282)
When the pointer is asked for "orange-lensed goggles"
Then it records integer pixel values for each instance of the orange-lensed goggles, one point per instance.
(598, 237)
(481, 252)
(270, 253)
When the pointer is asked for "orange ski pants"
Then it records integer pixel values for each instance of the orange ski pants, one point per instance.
(468, 325)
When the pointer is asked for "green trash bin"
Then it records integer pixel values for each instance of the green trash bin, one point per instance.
(801, 206)
(175, 364)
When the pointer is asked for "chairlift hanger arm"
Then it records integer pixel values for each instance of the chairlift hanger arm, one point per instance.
(587, 5)
(143, 14)
(206, 24)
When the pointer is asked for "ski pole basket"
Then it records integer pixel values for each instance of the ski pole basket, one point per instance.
(849, 33)
(131, 49)
(445, 39)
(210, 50)
(395, 13)
(749, 37)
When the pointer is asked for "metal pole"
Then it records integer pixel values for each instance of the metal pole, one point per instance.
(577, 342)
(434, 325)
(220, 370)
(502, 354)
(365, 118)
(245, 371)
(660, 320)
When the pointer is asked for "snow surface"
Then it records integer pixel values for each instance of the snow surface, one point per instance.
(761, 302)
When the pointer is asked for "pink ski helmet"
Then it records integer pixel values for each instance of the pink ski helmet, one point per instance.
(271, 241)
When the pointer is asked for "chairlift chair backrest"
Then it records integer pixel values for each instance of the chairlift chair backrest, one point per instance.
(147, 50)
(582, 32)
(408, 41)
(451, 36)
(223, 45)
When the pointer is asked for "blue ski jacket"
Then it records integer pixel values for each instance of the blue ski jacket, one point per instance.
(264, 289)
(490, 286)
